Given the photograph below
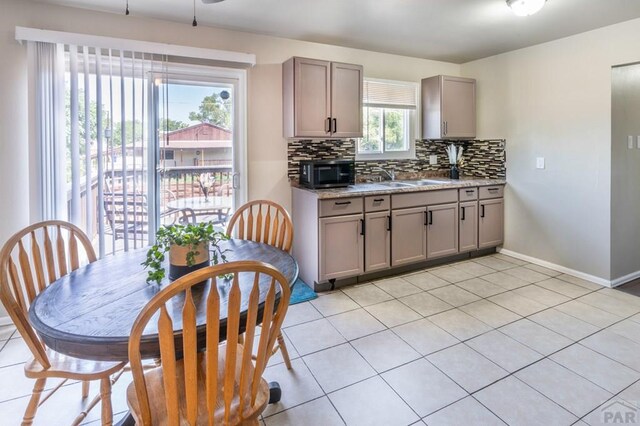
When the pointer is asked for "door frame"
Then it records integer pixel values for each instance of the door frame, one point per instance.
(237, 78)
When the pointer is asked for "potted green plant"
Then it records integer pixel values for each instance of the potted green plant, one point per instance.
(190, 247)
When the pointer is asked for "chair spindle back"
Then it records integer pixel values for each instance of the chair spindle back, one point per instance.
(263, 221)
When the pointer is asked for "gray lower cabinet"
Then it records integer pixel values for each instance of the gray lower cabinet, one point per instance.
(341, 246)
(377, 241)
(491, 223)
(442, 230)
(468, 228)
(409, 236)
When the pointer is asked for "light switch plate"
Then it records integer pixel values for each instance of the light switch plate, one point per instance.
(433, 159)
(540, 163)
(630, 142)
(638, 142)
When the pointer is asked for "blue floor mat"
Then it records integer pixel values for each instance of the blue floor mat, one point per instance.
(301, 293)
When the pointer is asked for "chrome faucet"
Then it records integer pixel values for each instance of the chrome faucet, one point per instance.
(390, 174)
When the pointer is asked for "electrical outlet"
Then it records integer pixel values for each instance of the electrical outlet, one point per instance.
(540, 163)
(630, 142)
(433, 159)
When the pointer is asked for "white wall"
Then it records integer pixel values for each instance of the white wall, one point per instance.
(554, 101)
(267, 150)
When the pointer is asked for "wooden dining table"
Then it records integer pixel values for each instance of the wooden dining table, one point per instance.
(89, 313)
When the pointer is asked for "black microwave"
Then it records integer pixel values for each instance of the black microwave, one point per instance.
(327, 173)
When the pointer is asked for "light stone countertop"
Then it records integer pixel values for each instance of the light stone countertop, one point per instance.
(362, 189)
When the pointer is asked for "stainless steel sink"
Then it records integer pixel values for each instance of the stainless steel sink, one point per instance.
(428, 182)
(397, 184)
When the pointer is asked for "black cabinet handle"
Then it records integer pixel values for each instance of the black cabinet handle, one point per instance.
(327, 127)
(426, 218)
(342, 203)
(389, 223)
(362, 223)
(482, 210)
(470, 191)
(493, 189)
(335, 125)
(463, 215)
(430, 217)
(378, 200)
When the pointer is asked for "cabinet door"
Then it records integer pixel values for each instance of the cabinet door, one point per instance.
(341, 247)
(409, 236)
(377, 241)
(312, 97)
(458, 107)
(468, 228)
(491, 223)
(346, 100)
(442, 230)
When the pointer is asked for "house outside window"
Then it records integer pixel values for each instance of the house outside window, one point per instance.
(390, 110)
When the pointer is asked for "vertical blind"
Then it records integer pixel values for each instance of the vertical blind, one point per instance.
(104, 149)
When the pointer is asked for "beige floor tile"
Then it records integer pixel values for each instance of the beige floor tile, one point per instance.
(609, 304)
(314, 336)
(604, 372)
(356, 324)
(454, 295)
(467, 411)
(451, 274)
(424, 336)
(563, 287)
(535, 336)
(504, 351)
(616, 347)
(334, 303)
(509, 259)
(16, 384)
(631, 394)
(338, 367)
(298, 386)
(541, 295)
(579, 281)
(397, 287)
(385, 350)
(473, 268)
(372, 402)
(367, 294)
(316, 412)
(425, 304)
(505, 281)
(481, 287)
(15, 351)
(526, 274)
(393, 313)
(423, 387)
(516, 303)
(620, 295)
(493, 262)
(299, 313)
(459, 324)
(627, 328)
(616, 410)
(490, 313)
(588, 313)
(518, 404)
(277, 357)
(425, 280)
(467, 367)
(546, 271)
(6, 332)
(573, 392)
(564, 324)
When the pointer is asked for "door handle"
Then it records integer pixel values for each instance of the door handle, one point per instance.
(389, 223)
(445, 127)
(235, 180)
(327, 127)
(463, 215)
(342, 203)
(335, 125)
(362, 223)
(430, 217)
(426, 218)
(482, 210)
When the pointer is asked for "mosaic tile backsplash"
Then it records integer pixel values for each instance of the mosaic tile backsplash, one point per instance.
(482, 158)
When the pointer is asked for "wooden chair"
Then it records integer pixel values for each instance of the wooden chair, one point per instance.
(26, 269)
(220, 386)
(266, 222)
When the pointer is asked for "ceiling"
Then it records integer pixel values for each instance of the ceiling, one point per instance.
(446, 30)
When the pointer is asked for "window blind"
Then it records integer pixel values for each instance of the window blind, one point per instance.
(385, 94)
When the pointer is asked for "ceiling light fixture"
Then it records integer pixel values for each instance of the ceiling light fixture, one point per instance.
(525, 7)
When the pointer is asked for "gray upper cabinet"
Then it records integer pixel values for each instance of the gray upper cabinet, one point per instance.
(448, 107)
(321, 99)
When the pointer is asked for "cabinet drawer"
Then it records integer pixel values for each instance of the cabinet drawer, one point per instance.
(340, 206)
(468, 194)
(377, 203)
(496, 191)
(401, 201)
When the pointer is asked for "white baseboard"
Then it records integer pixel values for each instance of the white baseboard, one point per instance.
(622, 280)
(602, 281)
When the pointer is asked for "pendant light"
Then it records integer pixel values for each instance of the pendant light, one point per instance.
(525, 7)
